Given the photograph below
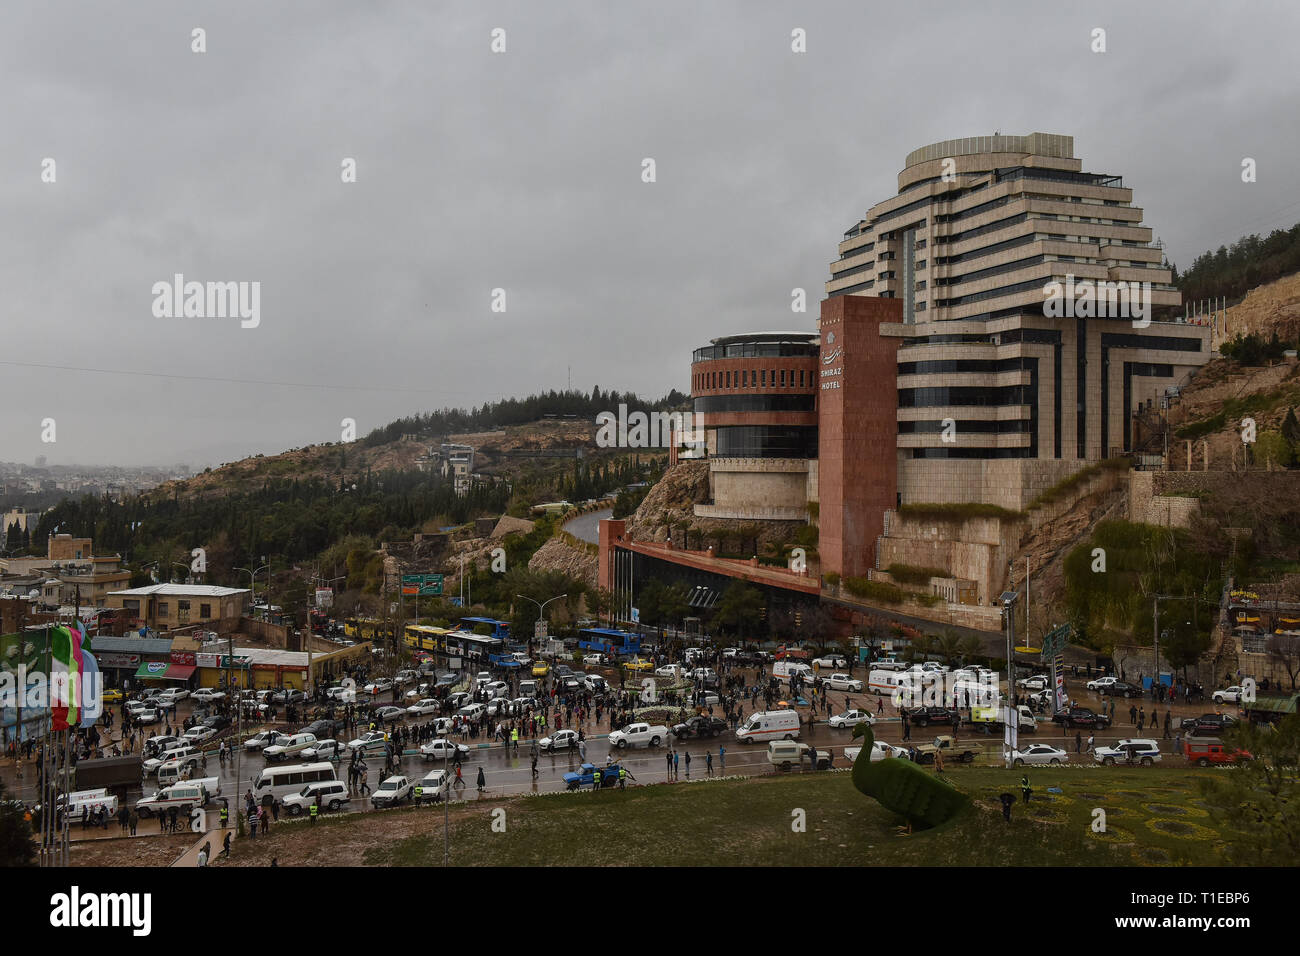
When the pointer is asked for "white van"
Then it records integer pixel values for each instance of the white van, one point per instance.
(183, 796)
(784, 670)
(282, 781)
(289, 746)
(769, 725)
(90, 800)
(891, 682)
(528, 688)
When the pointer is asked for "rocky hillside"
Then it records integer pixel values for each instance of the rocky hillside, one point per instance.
(558, 555)
(1267, 309)
(670, 504)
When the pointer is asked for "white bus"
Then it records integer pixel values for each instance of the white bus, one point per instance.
(282, 781)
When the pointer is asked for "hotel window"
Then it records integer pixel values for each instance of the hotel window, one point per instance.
(801, 378)
(764, 375)
(162, 608)
(783, 378)
(728, 380)
(205, 610)
(744, 378)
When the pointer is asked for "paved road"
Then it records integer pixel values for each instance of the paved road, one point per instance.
(587, 527)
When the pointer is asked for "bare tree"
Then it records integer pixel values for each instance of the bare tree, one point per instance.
(1284, 651)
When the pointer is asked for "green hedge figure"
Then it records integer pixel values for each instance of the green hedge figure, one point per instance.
(903, 787)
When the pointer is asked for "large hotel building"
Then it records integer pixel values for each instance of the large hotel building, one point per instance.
(943, 370)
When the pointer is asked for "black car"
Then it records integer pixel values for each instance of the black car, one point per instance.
(1121, 689)
(216, 722)
(1082, 717)
(1207, 725)
(923, 716)
(700, 726)
(323, 729)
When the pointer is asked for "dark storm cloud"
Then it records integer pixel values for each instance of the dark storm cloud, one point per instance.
(522, 171)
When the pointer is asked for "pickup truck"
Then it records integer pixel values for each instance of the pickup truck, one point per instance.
(392, 792)
(700, 725)
(636, 735)
(951, 750)
(586, 777)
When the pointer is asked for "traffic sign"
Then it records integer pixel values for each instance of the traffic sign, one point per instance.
(422, 584)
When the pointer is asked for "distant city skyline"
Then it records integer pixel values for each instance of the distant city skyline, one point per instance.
(320, 300)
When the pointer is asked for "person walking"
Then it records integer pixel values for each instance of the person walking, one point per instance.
(1025, 788)
(688, 765)
(722, 756)
(225, 849)
(1132, 715)
(482, 780)
(1091, 742)
(365, 773)
(133, 821)
(708, 762)
(1169, 720)
(668, 759)
(677, 764)
(1078, 742)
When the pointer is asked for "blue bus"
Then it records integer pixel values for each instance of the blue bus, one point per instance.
(500, 629)
(607, 640)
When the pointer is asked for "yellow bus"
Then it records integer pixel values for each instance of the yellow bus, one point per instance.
(425, 637)
(364, 628)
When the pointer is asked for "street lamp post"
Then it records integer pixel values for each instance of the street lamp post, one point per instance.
(252, 583)
(541, 610)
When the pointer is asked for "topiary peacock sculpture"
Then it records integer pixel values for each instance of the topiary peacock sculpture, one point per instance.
(903, 787)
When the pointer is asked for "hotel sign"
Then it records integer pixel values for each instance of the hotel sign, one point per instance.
(832, 374)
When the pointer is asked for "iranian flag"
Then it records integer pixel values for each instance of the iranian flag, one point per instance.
(92, 687)
(65, 681)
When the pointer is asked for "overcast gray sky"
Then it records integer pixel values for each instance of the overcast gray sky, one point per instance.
(522, 170)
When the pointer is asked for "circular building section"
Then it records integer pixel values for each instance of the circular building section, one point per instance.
(755, 399)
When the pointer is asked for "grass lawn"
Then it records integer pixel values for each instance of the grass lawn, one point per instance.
(1154, 817)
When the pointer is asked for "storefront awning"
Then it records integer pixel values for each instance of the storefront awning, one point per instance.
(164, 670)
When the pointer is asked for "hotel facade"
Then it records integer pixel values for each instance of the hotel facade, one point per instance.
(1000, 323)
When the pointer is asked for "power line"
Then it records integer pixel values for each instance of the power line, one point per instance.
(231, 381)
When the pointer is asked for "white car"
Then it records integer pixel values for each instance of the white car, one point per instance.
(171, 695)
(381, 686)
(442, 749)
(1229, 695)
(595, 660)
(323, 750)
(263, 739)
(342, 693)
(831, 660)
(424, 707)
(209, 694)
(200, 733)
(391, 792)
(497, 688)
(333, 795)
(1142, 750)
(879, 751)
(851, 718)
(1039, 754)
(1037, 682)
(844, 682)
(1101, 682)
(390, 714)
(375, 741)
(669, 670)
(560, 740)
(407, 676)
